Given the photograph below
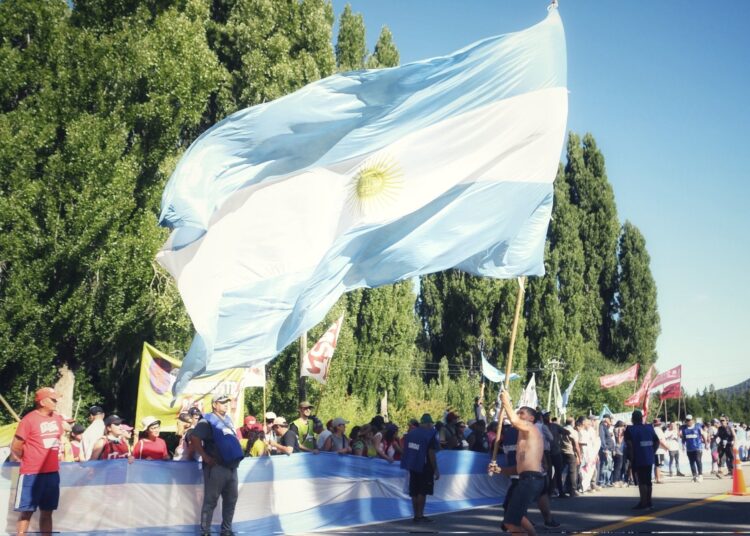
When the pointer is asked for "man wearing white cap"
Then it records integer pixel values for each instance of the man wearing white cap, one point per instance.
(37, 445)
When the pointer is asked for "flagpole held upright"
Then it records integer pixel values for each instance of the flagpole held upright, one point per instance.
(301, 392)
(493, 467)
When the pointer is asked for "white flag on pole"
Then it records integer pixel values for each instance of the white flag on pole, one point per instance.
(319, 357)
(254, 377)
(529, 397)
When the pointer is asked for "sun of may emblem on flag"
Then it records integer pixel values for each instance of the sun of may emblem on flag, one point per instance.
(376, 183)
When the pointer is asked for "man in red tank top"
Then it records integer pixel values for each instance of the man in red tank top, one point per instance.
(37, 445)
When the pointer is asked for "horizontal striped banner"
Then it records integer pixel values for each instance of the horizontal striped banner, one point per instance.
(278, 494)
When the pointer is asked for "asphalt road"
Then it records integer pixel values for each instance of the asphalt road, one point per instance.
(680, 506)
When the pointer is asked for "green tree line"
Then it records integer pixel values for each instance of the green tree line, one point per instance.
(98, 101)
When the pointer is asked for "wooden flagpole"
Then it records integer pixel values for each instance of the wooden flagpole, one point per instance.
(9, 408)
(301, 391)
(264, 398)
(493, 467)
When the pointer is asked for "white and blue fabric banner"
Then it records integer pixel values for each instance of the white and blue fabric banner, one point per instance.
(279, 494)
(567, 393)
(493, 374)
(363, 179)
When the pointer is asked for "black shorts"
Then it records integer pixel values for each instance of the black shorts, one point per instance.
(643, 474)
(530, 486)
(509, 492)
(422, 483)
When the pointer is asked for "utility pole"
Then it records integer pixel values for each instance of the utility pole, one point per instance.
(553, 365)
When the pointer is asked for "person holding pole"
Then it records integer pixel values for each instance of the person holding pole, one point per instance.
(531, 479)
(37, 445)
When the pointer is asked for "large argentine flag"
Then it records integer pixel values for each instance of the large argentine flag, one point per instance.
(363, 179)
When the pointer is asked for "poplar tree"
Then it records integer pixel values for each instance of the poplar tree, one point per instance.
(591, 194)
(385, 53)
(638, 325)
(351, 48)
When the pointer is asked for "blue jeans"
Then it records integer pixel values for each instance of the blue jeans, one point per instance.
(605, 468)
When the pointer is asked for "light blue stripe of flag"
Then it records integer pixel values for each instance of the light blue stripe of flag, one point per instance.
(493, 374)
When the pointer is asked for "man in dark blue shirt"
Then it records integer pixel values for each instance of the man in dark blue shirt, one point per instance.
(419, 459)
(642, 443)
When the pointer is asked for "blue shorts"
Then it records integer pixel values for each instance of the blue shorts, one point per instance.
(37, 491)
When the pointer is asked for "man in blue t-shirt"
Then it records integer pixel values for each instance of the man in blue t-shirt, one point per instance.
(692, 438)
(420, 446)
(642, 443)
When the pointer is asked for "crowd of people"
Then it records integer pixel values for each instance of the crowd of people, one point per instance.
(583, 455)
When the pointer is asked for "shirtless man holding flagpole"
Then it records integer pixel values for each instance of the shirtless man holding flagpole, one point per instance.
(529, 452)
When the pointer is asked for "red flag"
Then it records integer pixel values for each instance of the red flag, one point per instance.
(668, 376)
(673, 390)
(628, 375)
(638, 398)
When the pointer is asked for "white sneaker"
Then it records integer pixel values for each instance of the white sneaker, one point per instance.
(700, 478)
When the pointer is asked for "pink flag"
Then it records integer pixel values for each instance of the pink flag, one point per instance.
(668, 376)
(638, 398)
(628, 375)
(673, 390)
(319, 357)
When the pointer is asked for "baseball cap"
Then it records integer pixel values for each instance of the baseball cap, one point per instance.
(149, 421)
(46, 392)
(426, 419)
(194, 411)
(223, 397)
(280, 421)
(77, 429)
(305, 404)
(270, 415)
(112, 419)
(688, 417)
(126, 427)
(95, 410)
(250, 421)
(338, 421)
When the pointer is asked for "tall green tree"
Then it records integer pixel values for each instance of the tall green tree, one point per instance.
(271, 48)
(113, 103)
(638, 325)
(591, 193)
(351, 48)
(385, 53)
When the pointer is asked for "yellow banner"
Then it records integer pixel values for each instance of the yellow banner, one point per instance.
(158, 373)
(6, 434)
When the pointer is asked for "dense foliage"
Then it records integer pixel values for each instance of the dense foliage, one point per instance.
(98, 100)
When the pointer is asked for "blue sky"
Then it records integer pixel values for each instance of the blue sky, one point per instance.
(663, 88)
